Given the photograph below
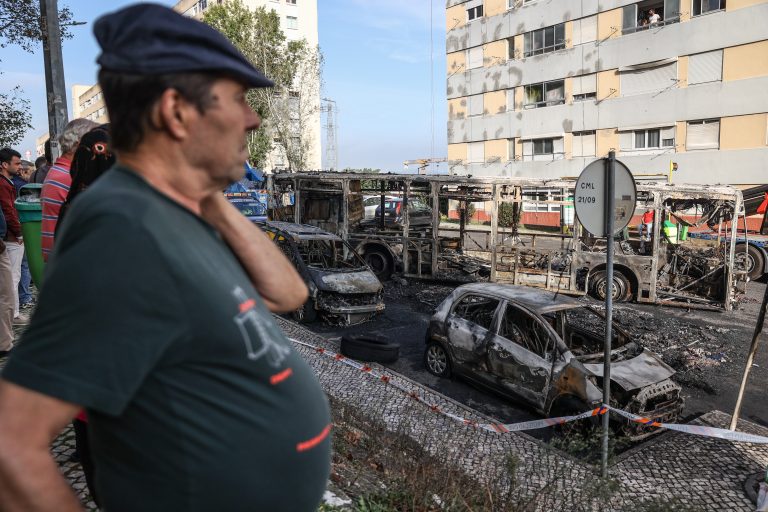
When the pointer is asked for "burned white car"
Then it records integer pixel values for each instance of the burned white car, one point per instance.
(547, 350)
(342, 288)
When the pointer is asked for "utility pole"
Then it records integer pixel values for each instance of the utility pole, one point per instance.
(54, 73)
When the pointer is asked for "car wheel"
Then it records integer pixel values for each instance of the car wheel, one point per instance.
(755, 261)
(621, 286)
(306, 314)
(380, 262)
(370, 349)
(437, 360)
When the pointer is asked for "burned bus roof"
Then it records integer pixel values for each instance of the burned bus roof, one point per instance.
(300, 231)
(540, 301)
(681, 190)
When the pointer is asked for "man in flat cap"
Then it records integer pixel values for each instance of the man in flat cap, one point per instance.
(155, 313)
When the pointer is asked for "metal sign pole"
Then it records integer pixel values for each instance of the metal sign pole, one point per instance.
(610, 207)
(750, 359)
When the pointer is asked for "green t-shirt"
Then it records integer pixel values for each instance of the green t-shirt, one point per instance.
(196, 400)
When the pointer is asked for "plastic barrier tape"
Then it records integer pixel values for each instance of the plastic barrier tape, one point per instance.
(698, 430)
(501, 428)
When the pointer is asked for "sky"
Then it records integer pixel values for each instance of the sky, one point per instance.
(377, 68)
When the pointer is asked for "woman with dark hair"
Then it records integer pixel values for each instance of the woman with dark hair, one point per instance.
(92, 159)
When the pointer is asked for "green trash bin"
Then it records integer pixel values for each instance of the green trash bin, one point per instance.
(30, 210)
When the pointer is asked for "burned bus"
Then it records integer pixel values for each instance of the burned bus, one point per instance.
(524, 231)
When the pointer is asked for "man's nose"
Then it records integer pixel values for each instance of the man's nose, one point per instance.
(253, 121)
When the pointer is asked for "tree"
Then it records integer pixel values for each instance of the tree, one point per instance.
(20, 26)
(258, 36)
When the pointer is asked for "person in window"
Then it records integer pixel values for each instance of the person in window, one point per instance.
(653, 17)
(647, 223)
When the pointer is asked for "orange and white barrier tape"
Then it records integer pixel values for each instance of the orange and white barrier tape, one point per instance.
(502, 428)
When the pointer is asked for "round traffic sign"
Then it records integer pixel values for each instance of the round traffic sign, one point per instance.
(589, 197)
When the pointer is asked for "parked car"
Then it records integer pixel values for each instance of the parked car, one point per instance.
(371, 203)
(546, 350)
(419, 214)
(342, 288)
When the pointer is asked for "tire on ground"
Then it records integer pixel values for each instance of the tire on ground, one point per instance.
(756, 261)
(436, 360)
(370, 349)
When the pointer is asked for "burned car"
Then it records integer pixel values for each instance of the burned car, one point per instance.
(342, 288)
(547, 350)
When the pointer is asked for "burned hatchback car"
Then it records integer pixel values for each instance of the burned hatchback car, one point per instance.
(546, 349)
(342, 288)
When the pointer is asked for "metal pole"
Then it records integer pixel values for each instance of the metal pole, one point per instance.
(610, 207)
(750, 359)
(54, 73)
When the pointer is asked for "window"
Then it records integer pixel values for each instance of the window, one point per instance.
(510, 149)
(543, 150)
(545, 40)
(649, 14)
(703, 135)
(478, 310)
(510, 48)
(585, 87)
(474, 13)
(292, 22)
(647, 78)
(475, 57)
(583, 144)
(525, 330)
(585, 30)
(476, 105)
(705, 67)
(510, 99)
(539, 200)
(476, 152)
(706, 6)
(545, 94)
(647, 139)
(292, 2)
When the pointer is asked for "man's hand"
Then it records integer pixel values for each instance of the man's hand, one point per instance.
(30, 480)
(273, 276)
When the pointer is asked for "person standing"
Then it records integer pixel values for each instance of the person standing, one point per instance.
(41, 170)
(6, 295)
(58, 181)
(26, 300)
(156, 311)
(10, 164)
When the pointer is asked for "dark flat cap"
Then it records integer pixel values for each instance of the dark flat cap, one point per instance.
(149, 39)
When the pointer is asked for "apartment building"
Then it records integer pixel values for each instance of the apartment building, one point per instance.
(298, 20)
(88, 102)
(539, 88)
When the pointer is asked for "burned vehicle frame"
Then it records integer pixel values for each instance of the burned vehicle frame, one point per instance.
(546, 350)
(523, 231)
(342, 288)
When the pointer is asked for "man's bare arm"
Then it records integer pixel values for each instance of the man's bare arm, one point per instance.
(273, 276)
(30, 480)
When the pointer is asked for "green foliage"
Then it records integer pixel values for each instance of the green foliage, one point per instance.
(509, 214)
(16, 117)
(257, 34)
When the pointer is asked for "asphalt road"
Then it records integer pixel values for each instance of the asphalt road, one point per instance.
(407, 316)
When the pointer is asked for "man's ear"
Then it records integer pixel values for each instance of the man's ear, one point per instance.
(172, 113)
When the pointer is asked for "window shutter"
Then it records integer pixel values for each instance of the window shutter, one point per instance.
(705, 67)
(511, 99)
(472, 4)
(704, 135)
(585, 30)
(648, 80)
(626, 141)
(475, 57)
(476, 152)
(585, 84)
(510, 149)
(557, 146)
(476, 105)
(527, 149)
(584, 144)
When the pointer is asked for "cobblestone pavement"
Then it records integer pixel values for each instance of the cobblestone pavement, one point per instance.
(705, 474)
